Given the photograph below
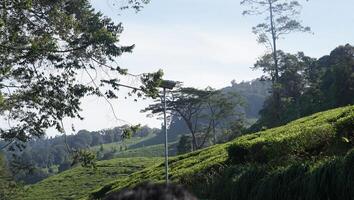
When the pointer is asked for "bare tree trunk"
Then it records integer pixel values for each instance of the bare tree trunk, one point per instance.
(276, 94)
(274, 39)
(194, 140)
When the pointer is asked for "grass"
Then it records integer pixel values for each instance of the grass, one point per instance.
(78, 182)
(256, 162)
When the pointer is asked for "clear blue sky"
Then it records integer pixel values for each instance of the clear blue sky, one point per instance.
(206, 43)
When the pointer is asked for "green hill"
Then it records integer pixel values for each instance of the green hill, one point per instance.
(148, 151)
(78, 182)
(128, 143)
(300, 160)
(134, 147)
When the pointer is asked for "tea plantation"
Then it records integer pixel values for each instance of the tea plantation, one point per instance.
(310, 158)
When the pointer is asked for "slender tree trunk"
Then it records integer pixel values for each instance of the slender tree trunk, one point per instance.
(189, 124)
(274, 39)
(276, 94)
(194, 139)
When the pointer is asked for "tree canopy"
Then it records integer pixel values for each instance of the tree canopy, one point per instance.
(280, 18)
(44, 46)
(203, 111)
(308, 85)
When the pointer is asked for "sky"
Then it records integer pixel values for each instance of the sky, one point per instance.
(204, 43)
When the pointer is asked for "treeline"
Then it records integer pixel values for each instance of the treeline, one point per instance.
(306, 85)
(205, 112)
(203, 117)
(47, 156)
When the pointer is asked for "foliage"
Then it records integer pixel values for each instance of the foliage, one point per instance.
(291, 85)
(8, 187)
(184, 144)
(203, 111)
(328, 179)
(187, 103)
(47, 156)
(134, 4)
(43, 46)
(280, 19)
(300, 147)
(236, 129)
(221, 108)
(130, 131)
(336, 74)
(85, 157)
(315, 84)
(315, 135)
(76, 183)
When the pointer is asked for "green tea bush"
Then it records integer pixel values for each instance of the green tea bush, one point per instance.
(303, 160)
(329, 179)
(304, 138)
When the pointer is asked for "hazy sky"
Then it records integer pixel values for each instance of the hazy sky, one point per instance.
(205, 43)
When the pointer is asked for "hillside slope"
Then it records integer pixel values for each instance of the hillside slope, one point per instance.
(77, 182)
(148, 151)
(310, 150)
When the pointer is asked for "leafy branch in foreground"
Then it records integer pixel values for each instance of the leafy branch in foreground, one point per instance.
(44, 47)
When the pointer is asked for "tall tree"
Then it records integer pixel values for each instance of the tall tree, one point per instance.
(338, 81)
(202, 110)
(44, 46)
(330, 81)
(221, 110)
(188, 104)
(184, 144)
(8, 187)
(309, 85)
(280, 18)
(291, 86)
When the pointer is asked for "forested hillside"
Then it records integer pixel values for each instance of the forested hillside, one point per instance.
(307, 85)
(44, 157)
(311, 154)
